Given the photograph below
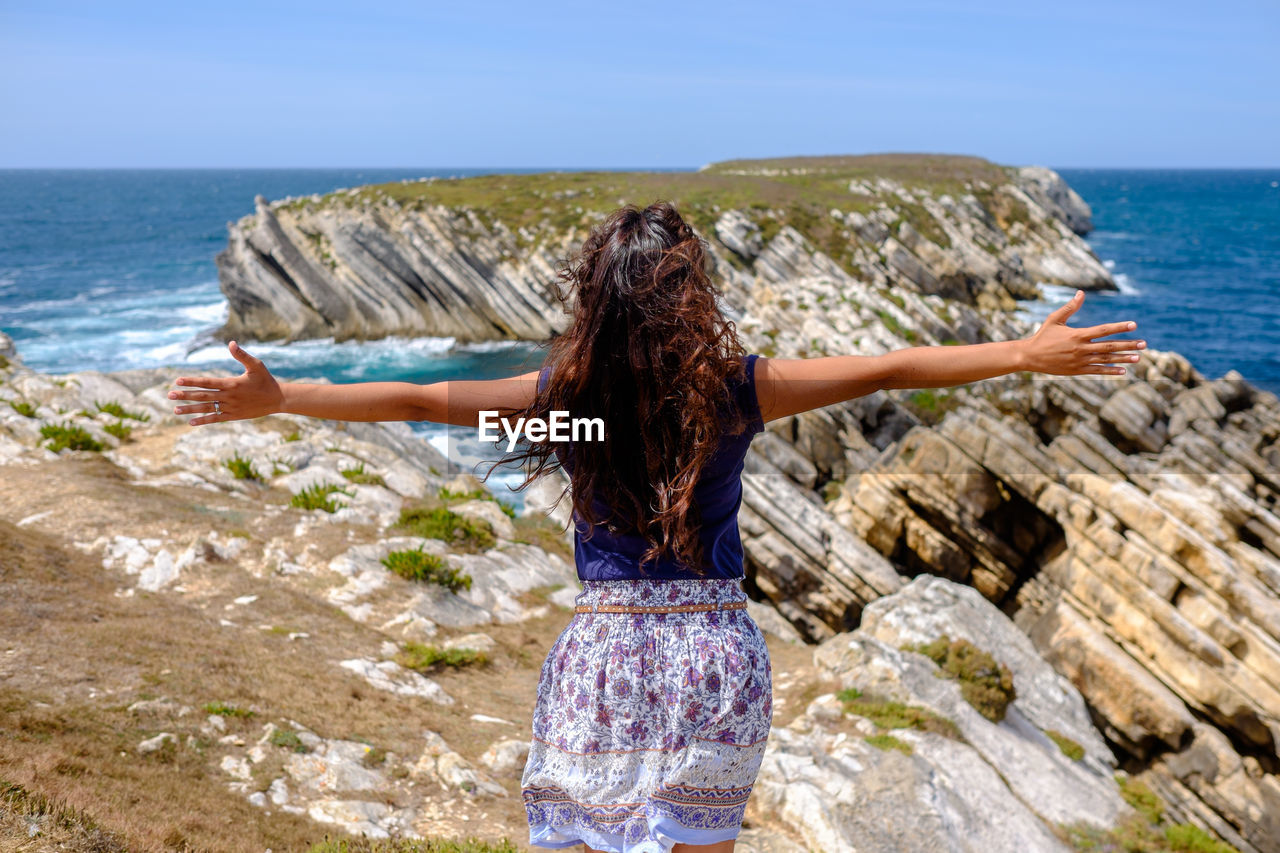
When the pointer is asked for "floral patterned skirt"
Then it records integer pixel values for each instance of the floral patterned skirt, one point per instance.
(649, 728)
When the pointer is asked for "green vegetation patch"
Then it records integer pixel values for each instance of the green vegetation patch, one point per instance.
(241, 468)
(1148, 831)
(119, 429)
(64, 436)
(932, 404)
(1070, 748)
(798, 191)
(923, 222)
(288, 739)
(891, 714)
(222, 709)
(985, 683)
(113, 408)
(361, 477)
(319, 496)
(415, 564)
(1143, 800)
(446, 525)
(448, 495)
(424, 657)
(22, 407)
(891, 323)
(888, 742)
(541, 532)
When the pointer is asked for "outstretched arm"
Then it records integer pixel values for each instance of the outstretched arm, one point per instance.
(789, 386)
(257, 393)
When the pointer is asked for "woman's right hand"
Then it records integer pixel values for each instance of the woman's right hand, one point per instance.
(252, 395)
(1062, 350)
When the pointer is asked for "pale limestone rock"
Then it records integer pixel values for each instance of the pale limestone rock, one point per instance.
(478, 641)
(236, 767)
(1047, 781)
(390, 676)
(930, 607)
(441, 764)
(844, 795)
(1138, 707)
(1052, 193)
(334, 766)
(488, 512)
(155, 744)
(739, 234)
(358, 817)
(999, 789)
(506, 756)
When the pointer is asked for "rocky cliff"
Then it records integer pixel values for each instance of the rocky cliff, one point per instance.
(474, 259)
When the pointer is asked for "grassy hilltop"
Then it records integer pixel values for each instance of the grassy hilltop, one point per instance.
(799, 191)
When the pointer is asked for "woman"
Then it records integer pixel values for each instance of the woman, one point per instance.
(654, 704)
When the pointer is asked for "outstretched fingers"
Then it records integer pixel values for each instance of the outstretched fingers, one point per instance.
(250, 362)
(1063, 312)
(194, 395)
(1109, 329)
(217, 384)
(208, 419)
(1117, 346)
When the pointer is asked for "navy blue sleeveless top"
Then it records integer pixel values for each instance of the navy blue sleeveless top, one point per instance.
(718, 494)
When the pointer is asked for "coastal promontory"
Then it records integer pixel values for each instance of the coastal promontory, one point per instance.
(475, 258)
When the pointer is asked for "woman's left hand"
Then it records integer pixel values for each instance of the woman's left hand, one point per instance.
(1062, 350)
(253, 395)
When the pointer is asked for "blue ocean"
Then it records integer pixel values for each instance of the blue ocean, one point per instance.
(1196, 255)
(113, 269)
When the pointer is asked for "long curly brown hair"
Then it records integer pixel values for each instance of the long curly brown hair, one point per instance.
(650, 352)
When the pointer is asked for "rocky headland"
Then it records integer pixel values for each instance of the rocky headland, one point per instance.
(1031, 613)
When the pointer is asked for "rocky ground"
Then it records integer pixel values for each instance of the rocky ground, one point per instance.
(188, 659)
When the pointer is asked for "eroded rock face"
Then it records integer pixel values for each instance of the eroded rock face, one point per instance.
(369, 273)
(989, 786)
(355, 265)
(930, 607)
(1053, 194)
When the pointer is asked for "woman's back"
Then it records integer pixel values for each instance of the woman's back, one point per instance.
(608, 556)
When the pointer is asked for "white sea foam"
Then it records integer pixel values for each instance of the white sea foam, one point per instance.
(215, 312)
(1126, 285)
(488, 346)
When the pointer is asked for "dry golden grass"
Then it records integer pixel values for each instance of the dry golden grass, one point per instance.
(74, 655)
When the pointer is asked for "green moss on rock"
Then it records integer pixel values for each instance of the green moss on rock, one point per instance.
(985, 683)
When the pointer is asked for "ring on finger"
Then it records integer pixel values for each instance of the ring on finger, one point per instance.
(217, 407)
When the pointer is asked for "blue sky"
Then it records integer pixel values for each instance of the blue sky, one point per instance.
(634, 85)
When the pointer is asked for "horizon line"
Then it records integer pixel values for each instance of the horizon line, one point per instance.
(558, 168)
